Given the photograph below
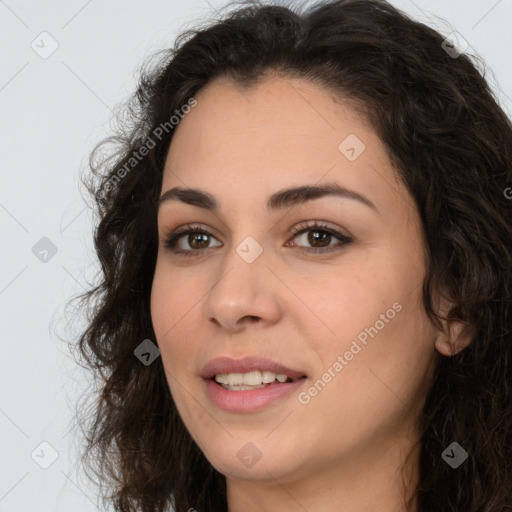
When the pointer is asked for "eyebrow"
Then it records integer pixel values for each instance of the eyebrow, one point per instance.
(279, 200)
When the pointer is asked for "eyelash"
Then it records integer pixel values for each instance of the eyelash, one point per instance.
(172, 239)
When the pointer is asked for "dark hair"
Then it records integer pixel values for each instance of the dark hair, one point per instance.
(451, 145)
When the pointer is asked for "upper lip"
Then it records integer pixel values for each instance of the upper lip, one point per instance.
(246, 364)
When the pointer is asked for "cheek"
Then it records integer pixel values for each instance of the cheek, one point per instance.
(375, 321)
(161, 305)
(385, 380)
(348, 300)
(171, 300)
(169, 309)
(168, 313)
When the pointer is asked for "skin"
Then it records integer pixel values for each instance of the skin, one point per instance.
(345, 448)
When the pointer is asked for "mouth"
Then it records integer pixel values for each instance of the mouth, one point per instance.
(249, 371)
(249, 384)
(251, 380)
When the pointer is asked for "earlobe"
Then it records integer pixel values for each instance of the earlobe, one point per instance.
(458, 336)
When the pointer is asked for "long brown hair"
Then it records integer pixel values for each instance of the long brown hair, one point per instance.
(451, 144)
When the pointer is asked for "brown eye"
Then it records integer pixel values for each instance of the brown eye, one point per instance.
(320, 236)
(323, 239)
(198, 239)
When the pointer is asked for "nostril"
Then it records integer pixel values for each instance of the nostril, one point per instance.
(251, 318)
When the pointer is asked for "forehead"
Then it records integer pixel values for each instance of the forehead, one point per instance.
(280, 132)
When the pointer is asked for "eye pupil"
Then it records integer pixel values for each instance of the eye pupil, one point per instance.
(193, 237)
(313, 238)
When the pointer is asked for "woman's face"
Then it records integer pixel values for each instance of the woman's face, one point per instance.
(349, 321)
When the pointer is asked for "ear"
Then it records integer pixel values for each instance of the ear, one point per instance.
(457, 338)
(456, 334)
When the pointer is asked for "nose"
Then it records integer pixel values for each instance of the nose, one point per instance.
(245, 293)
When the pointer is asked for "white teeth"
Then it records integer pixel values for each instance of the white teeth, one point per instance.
(235, 378)
(255, 378)
(242, 387)
(252, 378)
(268, 377)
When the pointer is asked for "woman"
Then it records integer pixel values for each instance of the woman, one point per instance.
(306, 255)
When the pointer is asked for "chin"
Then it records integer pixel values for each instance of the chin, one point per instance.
(261, 471)
(257, 460)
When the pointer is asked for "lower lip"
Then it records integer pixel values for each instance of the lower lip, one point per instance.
(249, 400)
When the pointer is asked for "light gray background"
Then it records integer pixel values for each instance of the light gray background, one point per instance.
(53, 111)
